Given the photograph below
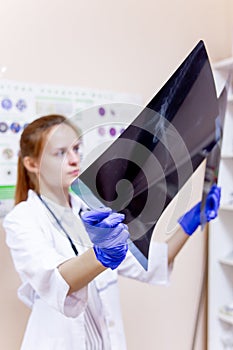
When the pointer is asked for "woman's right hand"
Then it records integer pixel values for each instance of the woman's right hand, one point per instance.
(108, 234)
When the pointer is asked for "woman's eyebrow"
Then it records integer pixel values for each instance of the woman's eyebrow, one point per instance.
(62, 148)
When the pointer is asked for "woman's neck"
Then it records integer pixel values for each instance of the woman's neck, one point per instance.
(62, 198)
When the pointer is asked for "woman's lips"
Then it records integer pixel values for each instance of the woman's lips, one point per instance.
(74, 172)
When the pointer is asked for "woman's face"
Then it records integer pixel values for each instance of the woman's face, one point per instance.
(59, 162)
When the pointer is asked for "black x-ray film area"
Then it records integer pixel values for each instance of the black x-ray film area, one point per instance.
(142, 171)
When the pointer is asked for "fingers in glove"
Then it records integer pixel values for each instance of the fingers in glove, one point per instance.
(112, 220)
(118, 236)
(213, 199)
(93, 217)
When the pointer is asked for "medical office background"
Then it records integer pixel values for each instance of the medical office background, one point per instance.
(109, 51)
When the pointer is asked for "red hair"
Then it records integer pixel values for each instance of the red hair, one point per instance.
(32, 142)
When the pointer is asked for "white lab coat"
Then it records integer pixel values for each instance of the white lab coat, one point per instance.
(57, 320)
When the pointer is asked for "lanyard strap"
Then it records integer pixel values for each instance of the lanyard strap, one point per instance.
(59, 224)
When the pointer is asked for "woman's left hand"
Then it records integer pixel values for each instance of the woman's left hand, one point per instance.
(192, 219)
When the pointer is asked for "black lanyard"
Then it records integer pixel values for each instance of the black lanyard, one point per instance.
(59, 224)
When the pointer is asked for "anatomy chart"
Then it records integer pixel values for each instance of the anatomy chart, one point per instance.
(20, 103)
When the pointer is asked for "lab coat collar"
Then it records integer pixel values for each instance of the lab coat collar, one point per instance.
(77, 205)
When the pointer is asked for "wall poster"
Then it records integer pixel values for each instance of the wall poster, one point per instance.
(20, 103)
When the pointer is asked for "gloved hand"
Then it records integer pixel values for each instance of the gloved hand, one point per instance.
(111, 257)
(192, 219)
(108, 234)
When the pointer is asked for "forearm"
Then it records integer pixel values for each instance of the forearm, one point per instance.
(81, 270)
(175, 243)
(191, 220)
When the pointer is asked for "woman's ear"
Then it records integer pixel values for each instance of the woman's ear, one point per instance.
(31, 164)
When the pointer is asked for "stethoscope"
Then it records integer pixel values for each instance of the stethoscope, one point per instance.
(59, 224)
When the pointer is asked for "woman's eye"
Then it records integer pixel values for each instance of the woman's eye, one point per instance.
(60, 153)
(76, 149)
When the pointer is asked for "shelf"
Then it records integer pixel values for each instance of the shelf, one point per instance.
(227, 260)
(226, 318)
(226, 64)
(226, 313)
(226, 207)
(227, 155)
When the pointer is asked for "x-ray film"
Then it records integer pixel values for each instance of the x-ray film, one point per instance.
(213, 158)
(143, 170)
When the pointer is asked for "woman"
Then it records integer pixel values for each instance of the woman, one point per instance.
(67, 256)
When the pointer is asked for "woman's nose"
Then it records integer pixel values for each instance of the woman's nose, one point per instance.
(73, 157)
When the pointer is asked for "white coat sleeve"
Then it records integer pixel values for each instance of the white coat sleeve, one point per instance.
(158, 269)
(36, 261)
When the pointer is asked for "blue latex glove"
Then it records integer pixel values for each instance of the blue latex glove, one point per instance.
(192, 219)
(111, 257)
(108, 234)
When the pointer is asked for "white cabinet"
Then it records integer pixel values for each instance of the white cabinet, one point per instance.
(220, 274)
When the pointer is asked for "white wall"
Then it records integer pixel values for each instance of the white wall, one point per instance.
(125, 45)
(129, 46)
